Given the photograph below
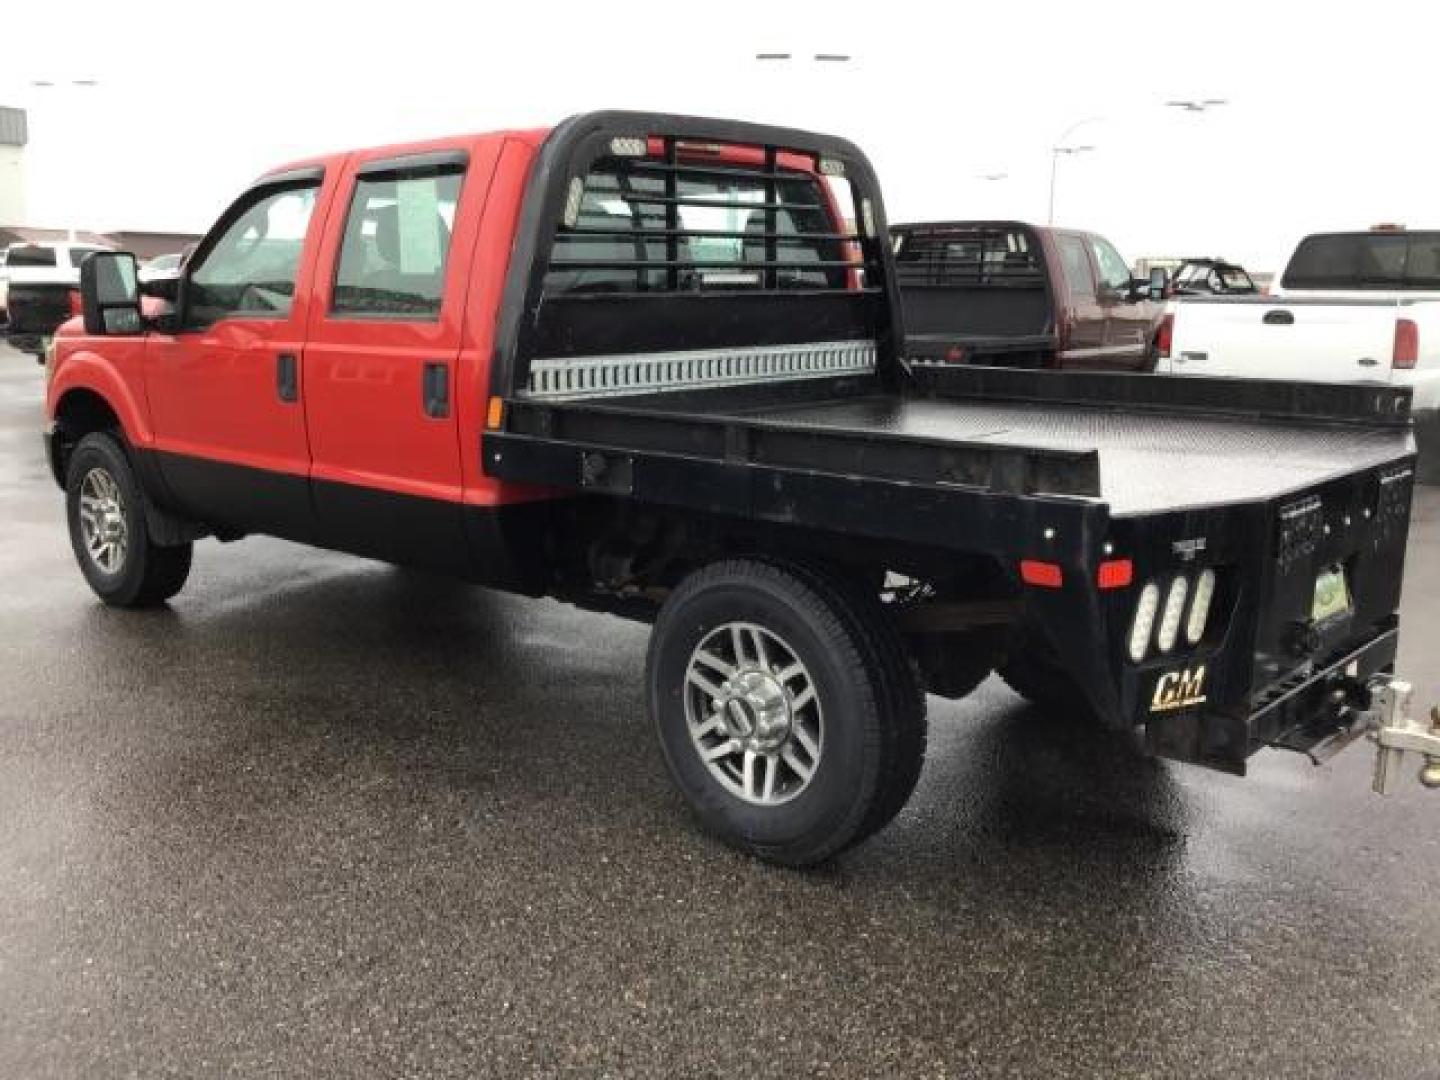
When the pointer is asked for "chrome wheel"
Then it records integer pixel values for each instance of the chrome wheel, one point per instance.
(102, 521)
(753, 714)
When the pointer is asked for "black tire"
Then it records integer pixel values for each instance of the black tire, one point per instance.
(874, 733)
(147, 574)
(1032, 672)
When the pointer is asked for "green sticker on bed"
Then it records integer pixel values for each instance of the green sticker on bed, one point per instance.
(1332, 595)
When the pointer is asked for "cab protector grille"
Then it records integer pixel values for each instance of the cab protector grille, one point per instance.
(569, 378)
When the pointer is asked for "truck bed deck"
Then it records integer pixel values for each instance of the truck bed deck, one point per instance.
(1149, 462)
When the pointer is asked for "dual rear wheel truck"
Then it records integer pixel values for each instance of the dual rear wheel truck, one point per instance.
(654, 366)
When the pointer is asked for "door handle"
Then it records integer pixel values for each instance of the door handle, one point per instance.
(435, 390)
(1367, 361)
(287, 378)
(1280, 317)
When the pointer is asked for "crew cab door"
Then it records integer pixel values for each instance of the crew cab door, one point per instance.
(224, 389)
(1084, 344)
(1127, 320)
(383, 353)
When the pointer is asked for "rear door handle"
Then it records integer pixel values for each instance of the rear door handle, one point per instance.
(435, 390)
(1280, 317)
(1367, 361)
(287, 378)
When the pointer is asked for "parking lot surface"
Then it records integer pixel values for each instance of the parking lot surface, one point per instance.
(326, 818)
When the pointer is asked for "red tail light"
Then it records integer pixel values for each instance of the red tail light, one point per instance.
(1047, 575)
(72, 298)
(1115, 574)
(1407, 344)
(1164, 335)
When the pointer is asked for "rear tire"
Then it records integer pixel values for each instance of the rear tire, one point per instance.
(105, 509)
(800, 768)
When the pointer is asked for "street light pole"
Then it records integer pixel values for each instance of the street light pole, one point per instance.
(1060, 148)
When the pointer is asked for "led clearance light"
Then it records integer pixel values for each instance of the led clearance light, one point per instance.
(1115, 574)
(1144, 621)
(572, 202)
(1047, 575)
(1170, 621)
(1200, 607)
(495, 413)
(629, 146)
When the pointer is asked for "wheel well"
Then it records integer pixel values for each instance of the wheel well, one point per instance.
(78, 413)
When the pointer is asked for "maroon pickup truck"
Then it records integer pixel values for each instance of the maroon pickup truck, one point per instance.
(1007, 294)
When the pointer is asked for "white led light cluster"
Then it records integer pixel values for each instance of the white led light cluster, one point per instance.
(1174, 616)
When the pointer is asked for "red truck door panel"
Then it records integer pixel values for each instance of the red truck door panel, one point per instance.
(384, 350)
(224, 390)
(1085, 344)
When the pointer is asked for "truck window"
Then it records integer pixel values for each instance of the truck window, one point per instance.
(397, 239)
(31, 255)
(1365, 261)
(617, 242)
(251, 268)
(1075, 264)
(1114, 271)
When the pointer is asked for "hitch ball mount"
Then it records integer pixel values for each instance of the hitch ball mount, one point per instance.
(1396, 731)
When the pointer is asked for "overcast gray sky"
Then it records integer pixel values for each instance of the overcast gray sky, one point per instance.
(1325, 126)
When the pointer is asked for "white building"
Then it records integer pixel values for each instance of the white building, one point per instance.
(13, 136)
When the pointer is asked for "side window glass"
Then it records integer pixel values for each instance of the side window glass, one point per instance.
(397, 240)
(1076, 266)
(251, 269)
(1114, 273)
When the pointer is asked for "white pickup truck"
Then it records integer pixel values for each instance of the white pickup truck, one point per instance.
(1350, 307)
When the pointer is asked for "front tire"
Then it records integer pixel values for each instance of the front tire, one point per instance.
(787, 712)
(105, 510)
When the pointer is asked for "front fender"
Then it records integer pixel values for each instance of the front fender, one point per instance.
(85, 370)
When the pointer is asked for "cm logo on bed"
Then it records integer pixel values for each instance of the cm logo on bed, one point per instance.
(1179, 689)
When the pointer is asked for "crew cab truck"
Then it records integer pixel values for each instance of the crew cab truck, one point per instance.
(640, 363)
(1008, 294)
(1349, 307)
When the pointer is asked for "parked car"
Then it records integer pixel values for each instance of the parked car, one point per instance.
(1211, 277)
(1349, 307)
(631, 363)
(40, 290)
(1015, 295)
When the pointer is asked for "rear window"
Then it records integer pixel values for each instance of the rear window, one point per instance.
(645, 226)
(1366, 261)
(31, 255)
(985, 257)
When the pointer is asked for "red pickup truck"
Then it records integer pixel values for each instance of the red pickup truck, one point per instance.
(646, 364)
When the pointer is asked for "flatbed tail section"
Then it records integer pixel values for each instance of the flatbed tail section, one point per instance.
(1284, 505)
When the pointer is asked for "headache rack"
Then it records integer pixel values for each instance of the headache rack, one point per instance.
(668, 253)
(993, 256)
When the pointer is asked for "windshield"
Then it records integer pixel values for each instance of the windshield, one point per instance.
(1375, 260)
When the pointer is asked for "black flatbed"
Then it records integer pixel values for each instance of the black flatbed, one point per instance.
(958, 456)
(1148, 462)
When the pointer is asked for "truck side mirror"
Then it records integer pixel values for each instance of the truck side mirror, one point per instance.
(110, 294)
(1159, 283)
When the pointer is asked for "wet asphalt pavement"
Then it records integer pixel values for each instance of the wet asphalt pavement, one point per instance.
(325, 818)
